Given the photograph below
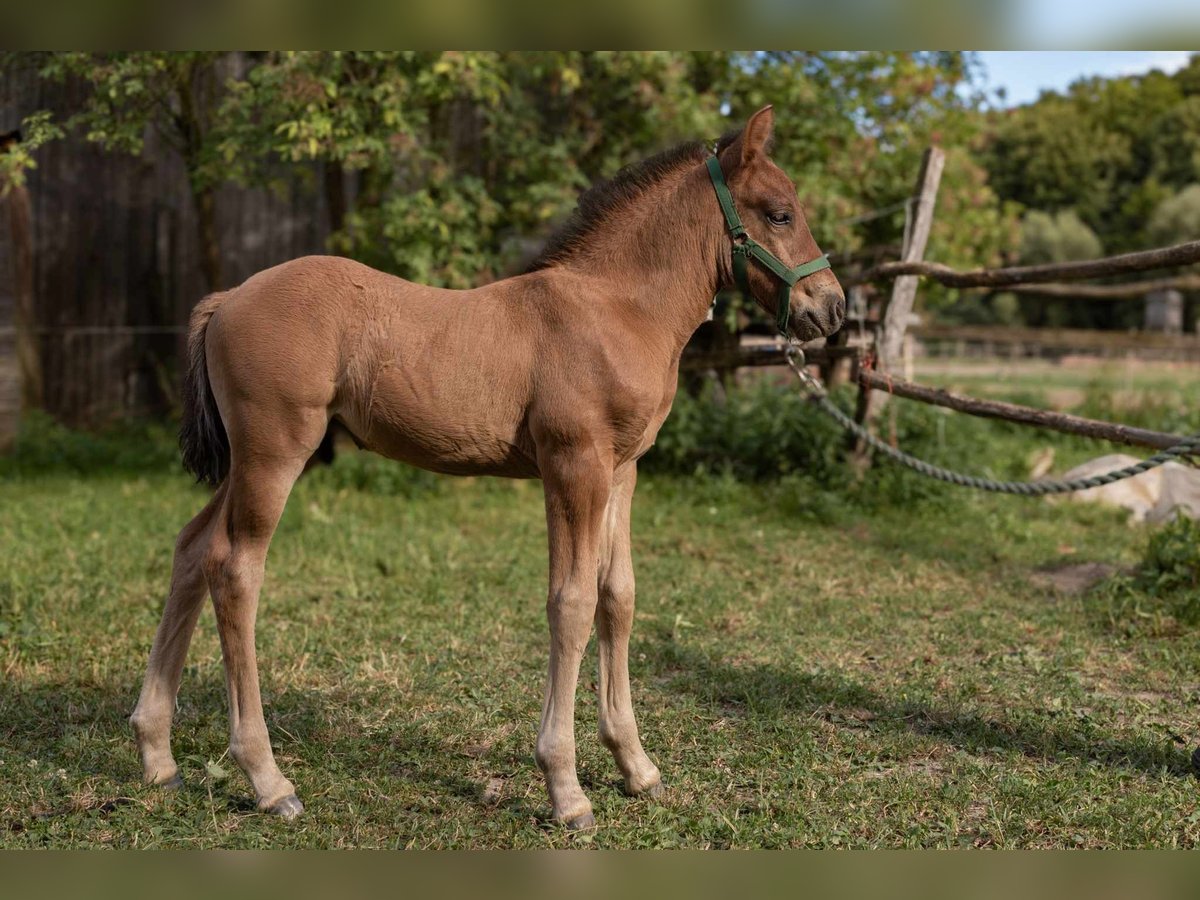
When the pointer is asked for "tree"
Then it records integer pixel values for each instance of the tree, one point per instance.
(17, 149)
(450, 167)
(1177, 218)
(1109, 148)
(173, 93)
(460, 161)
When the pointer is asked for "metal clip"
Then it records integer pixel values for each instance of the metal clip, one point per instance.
(795, 358)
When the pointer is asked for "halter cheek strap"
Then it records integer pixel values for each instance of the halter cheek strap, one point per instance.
(745, 247)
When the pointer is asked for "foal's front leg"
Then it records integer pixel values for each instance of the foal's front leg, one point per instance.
(614, 621)
(577, 485)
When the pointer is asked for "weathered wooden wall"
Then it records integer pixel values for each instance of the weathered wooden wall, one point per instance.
(116, 261)
(10, 385)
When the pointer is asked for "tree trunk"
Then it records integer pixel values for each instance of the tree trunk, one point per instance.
(335, 195)
(206, 226)
(29, 362)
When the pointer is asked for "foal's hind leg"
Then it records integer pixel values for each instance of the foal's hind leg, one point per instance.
(151, 719)
(234, 566)
(614, 621)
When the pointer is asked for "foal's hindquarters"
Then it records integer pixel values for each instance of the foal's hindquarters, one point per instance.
(275, 400)
(274, 420)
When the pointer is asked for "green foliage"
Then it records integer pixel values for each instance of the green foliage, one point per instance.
(172, 93)
(762, 433)
(372, 474)
(18, 157)
(1110, 149)
(1156, 407)
(1177, 218)
(757, 432)
(1057, 237)
(1162, 593)
(461, 162)
(460, 158)
(44, 447)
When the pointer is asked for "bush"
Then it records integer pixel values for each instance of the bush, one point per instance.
(763, 432)
(1177, 218)
(1172, 411)
(43, 447)
(1060, 237)
(371, 474)
(1163, 592)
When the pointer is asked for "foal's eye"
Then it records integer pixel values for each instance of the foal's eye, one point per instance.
(779, 218)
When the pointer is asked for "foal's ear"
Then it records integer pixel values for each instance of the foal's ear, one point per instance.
(756, 136)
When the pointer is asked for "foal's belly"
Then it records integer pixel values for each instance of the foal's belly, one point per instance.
(465, 432)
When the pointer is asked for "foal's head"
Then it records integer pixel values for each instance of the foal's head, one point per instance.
(767, 202)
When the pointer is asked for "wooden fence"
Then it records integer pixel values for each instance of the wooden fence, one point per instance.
(991, 340)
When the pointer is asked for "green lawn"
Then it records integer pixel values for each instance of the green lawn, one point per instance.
(889, 679)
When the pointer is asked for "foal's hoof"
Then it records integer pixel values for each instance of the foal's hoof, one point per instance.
(581, 823)
(653, 792)
(174, 783)
(288, 808)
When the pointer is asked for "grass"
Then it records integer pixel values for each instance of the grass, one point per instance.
(811, 668)
(878, 681)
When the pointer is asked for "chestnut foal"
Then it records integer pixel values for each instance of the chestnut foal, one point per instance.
(563, 373)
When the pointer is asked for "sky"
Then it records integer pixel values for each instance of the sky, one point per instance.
(1024, 73)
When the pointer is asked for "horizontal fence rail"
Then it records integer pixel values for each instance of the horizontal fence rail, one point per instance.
(1129, 290)
(1143, 344)
(755, 356)
(1024, 415)
(1145, 260)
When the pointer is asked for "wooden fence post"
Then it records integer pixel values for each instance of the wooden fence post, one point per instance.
(889, 341)
(20, 374)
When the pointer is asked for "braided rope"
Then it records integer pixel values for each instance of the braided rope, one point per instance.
(1189, 446)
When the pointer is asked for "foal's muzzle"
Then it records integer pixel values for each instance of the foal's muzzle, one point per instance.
(818, 313)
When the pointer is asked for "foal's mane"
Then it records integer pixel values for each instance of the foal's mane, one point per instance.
(605, 198)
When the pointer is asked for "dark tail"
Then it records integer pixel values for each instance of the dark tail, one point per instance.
(202, 436)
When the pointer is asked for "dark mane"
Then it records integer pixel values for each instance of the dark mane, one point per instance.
(607, 197)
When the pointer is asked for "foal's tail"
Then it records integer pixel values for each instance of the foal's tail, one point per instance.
(202, 436)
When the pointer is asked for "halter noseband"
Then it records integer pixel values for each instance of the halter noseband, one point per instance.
(745, 246)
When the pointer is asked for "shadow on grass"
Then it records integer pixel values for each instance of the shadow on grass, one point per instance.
(83, 730)
(1035, 734)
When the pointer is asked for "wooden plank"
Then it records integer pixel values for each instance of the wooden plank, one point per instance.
(10, 381)
(10, 394)
(757, 356)
(114, 240)
(29, 361)
(1062, 338)
(1025, 415)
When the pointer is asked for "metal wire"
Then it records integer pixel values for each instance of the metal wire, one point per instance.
(1189, 446)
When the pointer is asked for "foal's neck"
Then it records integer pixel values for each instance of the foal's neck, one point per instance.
(662, 257)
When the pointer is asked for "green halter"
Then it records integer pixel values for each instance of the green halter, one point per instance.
(745, 246)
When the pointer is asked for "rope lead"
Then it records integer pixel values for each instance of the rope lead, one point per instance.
(1189, 446)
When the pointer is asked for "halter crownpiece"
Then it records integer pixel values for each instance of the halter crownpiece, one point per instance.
(745, 247)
